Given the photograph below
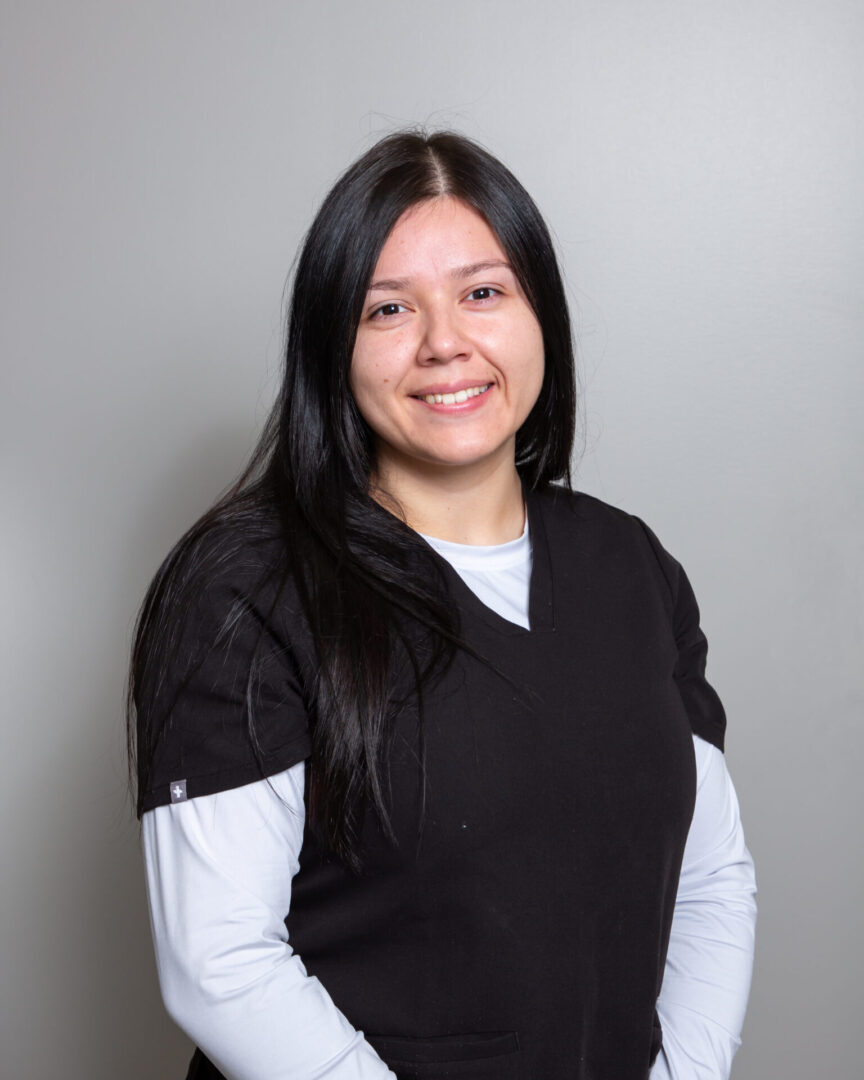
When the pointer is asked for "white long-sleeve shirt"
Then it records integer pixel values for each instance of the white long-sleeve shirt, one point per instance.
(219, 870)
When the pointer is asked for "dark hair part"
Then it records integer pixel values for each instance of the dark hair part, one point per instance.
(371, 592)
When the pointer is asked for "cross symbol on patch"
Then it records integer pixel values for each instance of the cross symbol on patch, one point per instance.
(177, 789)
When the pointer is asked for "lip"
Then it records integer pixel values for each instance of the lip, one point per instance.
(451, 388)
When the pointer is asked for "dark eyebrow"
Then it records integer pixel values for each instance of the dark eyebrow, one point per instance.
(397, 284)
(478, 268)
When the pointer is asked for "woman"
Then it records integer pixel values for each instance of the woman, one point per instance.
(425, 748)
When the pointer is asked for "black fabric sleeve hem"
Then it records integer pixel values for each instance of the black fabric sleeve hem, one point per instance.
(710, 733)
(225, 779)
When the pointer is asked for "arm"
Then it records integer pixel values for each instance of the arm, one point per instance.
(710, 959)
(219, 870)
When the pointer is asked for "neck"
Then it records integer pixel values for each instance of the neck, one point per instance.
(481, 504)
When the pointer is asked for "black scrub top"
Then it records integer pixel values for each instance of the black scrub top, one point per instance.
(525, 934)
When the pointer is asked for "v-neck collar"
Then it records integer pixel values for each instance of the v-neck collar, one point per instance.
(541, 611)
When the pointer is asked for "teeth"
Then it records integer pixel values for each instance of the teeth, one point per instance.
(458, 397)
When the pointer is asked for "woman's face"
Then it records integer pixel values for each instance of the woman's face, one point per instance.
(448, 360)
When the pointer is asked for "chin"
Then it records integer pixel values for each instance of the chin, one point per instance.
(461, 459)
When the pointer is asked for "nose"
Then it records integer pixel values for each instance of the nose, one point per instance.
(443, 338)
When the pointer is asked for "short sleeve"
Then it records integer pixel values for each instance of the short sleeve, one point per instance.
(704, 708)
(227, 706)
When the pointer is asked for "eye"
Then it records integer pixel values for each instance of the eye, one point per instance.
(484, 292)
(386, 310)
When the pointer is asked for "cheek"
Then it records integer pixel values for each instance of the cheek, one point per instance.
(532, 353)
(380, 363)
(357, 385)
(370, 382)
(363, 376)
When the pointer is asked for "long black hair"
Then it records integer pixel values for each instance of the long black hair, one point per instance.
(355, 565)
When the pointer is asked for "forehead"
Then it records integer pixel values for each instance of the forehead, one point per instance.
(435, 236)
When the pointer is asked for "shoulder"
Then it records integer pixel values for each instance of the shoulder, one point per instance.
(610, 537)
(220, 599)
(574, 512)
(570, 507)
(235, 556)
(219, 696)
(238, 545)
(615, 555)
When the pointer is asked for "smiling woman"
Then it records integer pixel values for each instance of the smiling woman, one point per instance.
(447, 365)
(425, 747)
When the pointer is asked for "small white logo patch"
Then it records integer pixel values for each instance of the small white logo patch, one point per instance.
(178, 791)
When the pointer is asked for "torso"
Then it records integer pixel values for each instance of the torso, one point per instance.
(558, 795)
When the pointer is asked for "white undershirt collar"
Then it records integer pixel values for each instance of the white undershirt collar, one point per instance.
(484, 556)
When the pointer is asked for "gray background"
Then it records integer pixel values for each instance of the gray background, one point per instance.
(701, 166)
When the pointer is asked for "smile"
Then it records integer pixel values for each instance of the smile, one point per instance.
(455, 398)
